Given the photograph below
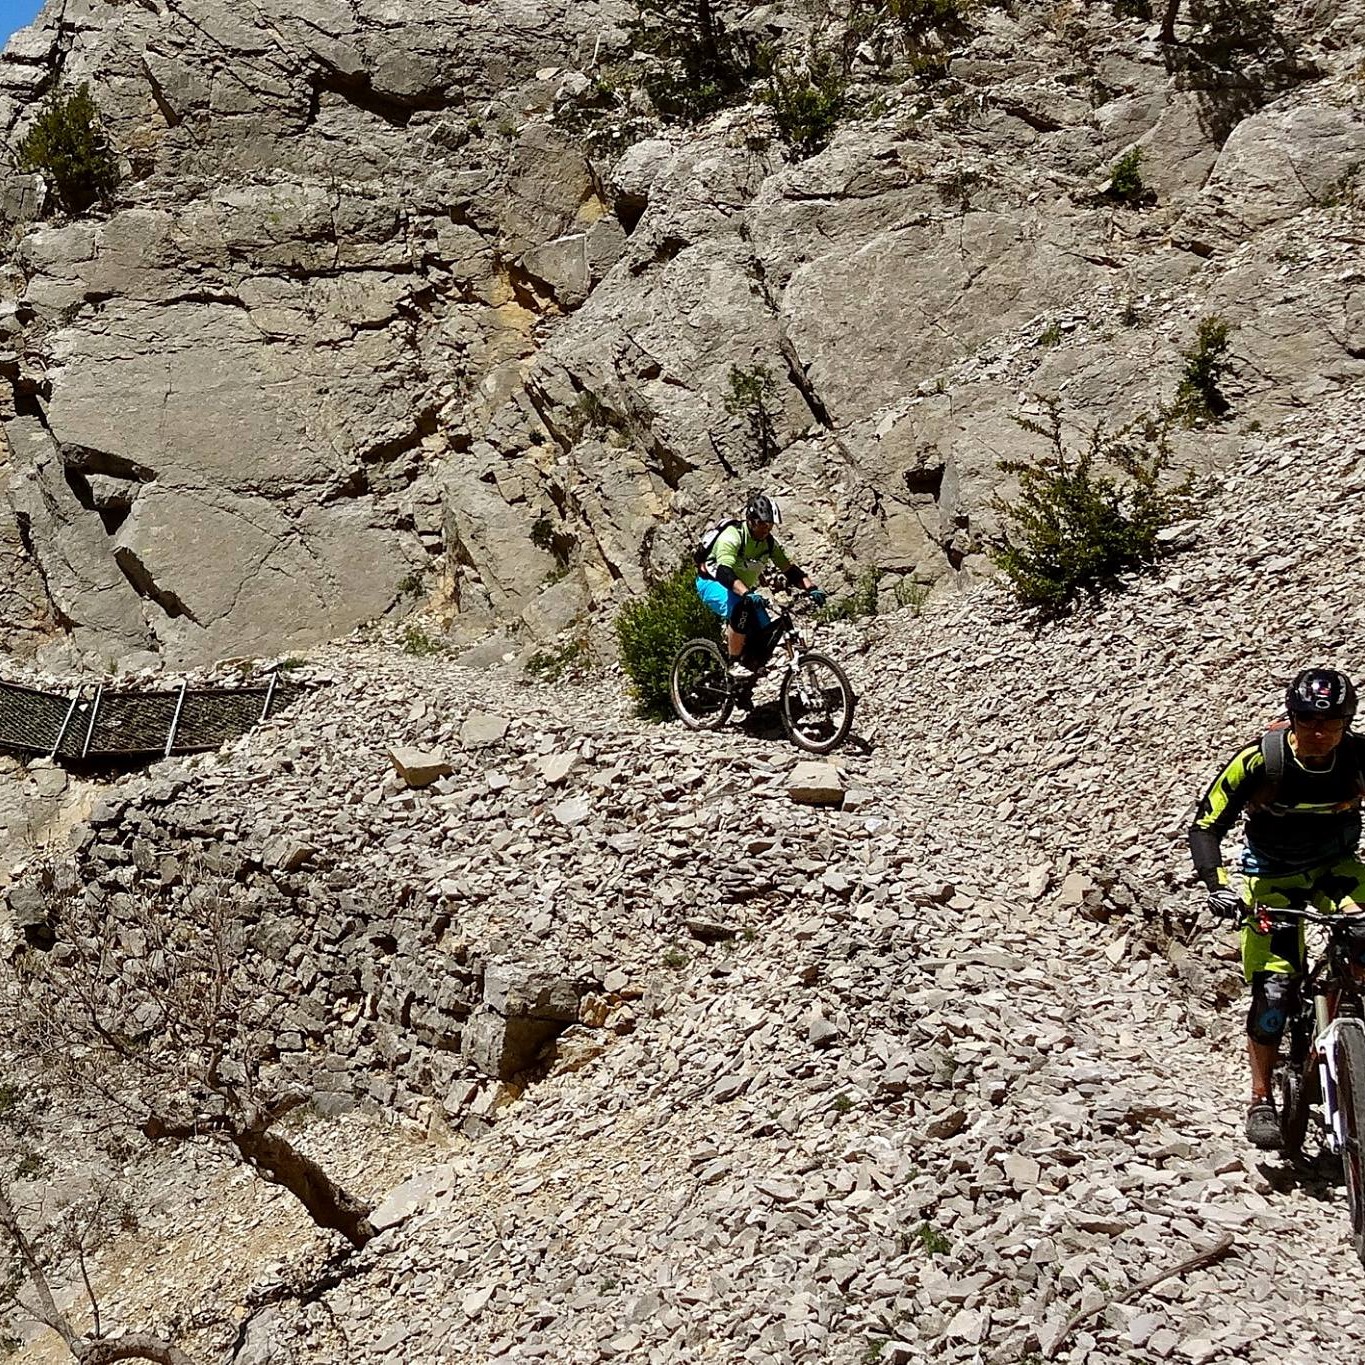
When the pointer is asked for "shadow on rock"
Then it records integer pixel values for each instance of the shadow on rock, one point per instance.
(1319, 1177)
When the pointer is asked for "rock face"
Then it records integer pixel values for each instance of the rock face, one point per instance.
(225, 440)
(907, 1079)
(368, 320)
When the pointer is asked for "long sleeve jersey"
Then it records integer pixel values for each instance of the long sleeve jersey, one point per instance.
(1311, 820)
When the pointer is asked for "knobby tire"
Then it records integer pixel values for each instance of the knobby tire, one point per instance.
(699, 686)
(1295, 1079)
(792, 716)
(1351, 1097)
(1292, 1103)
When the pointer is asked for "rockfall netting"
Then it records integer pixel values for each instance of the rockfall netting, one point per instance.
(94, 723)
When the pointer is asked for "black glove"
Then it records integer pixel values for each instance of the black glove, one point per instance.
(1225, 903)
(817, 595)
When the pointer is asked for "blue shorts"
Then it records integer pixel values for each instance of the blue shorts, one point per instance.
(721, 601)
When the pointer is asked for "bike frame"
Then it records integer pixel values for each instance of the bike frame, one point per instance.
(1326, 1046)
(1315, 1031)
(791, 636)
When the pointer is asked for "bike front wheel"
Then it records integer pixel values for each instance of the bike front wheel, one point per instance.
(817, 704)
(699, 685)
(1351, 1100)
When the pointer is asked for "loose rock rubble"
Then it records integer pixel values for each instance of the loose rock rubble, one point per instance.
(942, 1070)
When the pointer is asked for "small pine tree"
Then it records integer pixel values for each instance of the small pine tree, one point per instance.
(751, 398)
(1071, 528)
(68, 146)
(1199, 397)
(650, 631)
(808, 99)
(697, 65)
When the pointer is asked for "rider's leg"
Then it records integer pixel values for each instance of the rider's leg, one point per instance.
(1274, 996)
(1272, 964)
(745, 618)
(1262, 1057)
(719, 600)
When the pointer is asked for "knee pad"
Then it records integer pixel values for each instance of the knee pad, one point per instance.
(1274, 997)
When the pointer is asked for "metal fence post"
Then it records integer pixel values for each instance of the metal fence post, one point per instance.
(175, 719)
(270, 694)
(94, 715)
(66, 721)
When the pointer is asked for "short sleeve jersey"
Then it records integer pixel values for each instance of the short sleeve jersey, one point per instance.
(736, 549)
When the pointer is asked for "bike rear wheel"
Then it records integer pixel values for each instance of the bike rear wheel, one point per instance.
(817, 704)
(1350, 1068)
(1294, 1086)
(1292, 1103)
(700, 686)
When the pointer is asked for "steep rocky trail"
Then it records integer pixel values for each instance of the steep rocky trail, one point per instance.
(943, 1086)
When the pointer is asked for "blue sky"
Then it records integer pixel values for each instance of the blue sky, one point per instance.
(15, 14)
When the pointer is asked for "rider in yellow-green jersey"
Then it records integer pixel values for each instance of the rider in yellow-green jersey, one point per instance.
(727, 581)
(1300, 788)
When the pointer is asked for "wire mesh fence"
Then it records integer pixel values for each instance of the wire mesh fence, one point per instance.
(100, 722)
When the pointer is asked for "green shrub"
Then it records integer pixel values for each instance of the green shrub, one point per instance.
(1125, 179)
(569, 660)
(1071, 528)
(418, 643)
(917, 17)
(1198, 397)
(1051, 335)
(912, 594)
(750, 398)
(68, 147)
(931, 1241)
(807, 99)
(650, 630)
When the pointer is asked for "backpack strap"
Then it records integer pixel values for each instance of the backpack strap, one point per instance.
(1273, 745)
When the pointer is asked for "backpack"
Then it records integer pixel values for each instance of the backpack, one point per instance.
(1274, 750)
(702, 553)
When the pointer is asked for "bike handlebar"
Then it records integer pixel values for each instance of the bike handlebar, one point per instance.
(1269, 915)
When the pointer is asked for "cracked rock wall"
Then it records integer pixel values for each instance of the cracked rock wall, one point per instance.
(362, 314)
(222, 431)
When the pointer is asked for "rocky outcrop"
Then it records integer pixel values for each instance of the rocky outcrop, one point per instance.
(365, 307)
(223, 431)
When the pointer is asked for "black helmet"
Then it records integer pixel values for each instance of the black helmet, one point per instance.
(1321, 692)
(761, 507)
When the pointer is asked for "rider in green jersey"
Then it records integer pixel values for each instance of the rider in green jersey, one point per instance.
(1300, 788)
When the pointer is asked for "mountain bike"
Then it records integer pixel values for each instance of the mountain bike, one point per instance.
(1324, 1070)
(815, 698)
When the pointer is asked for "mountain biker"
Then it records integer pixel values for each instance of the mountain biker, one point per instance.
(1300, 787)
(727, 580)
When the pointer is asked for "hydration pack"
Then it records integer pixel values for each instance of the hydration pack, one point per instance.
(707, 543)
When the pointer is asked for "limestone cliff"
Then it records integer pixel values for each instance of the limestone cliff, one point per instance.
(365, 320)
